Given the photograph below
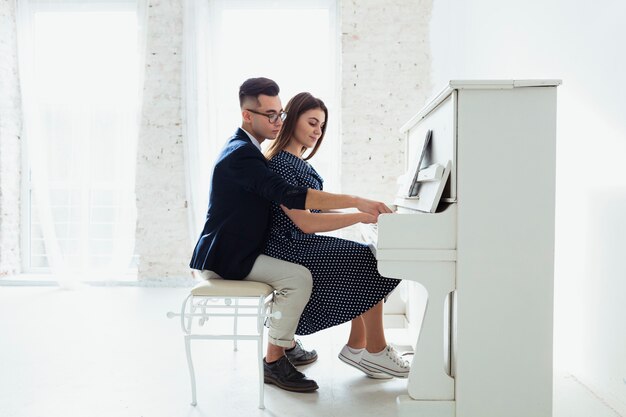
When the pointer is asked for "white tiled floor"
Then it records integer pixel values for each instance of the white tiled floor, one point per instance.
(112, 352)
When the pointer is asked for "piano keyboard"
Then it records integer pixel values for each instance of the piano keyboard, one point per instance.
(369, 233)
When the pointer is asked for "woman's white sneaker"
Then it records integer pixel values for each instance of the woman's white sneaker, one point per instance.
(352, 357)
(387, 361)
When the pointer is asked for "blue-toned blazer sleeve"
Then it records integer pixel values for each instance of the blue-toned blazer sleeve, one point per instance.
(252, 173)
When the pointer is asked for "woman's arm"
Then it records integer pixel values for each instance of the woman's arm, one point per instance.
(325, 222)
(316, 199)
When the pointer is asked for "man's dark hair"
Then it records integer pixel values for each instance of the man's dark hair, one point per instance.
(253, 87)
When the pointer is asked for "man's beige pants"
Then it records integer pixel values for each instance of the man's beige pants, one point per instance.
(292, 285)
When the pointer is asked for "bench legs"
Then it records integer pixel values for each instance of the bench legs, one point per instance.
(186, 324)
(192, 374)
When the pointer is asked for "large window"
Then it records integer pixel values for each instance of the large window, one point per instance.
(80, 85)
(294, 42)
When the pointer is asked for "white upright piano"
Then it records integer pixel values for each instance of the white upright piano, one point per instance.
(485, 256)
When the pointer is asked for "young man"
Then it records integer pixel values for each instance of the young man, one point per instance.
(230, 246)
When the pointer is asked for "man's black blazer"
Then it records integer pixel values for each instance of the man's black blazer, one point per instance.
(242, 189)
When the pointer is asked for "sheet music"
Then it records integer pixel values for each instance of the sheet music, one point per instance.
(410, 185)
(430, 192)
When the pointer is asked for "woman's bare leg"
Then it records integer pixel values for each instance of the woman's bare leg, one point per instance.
(357, 338)
(366, 331)
(374, 333)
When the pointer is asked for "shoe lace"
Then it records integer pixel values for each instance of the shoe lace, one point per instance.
(396, 357)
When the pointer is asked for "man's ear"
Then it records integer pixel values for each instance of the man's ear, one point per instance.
(246, 116)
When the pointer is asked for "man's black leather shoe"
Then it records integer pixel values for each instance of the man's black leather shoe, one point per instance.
(298, 356)
(284, 375)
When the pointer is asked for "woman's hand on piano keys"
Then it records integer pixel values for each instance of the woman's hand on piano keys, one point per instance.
(372, 207)
(367, 218)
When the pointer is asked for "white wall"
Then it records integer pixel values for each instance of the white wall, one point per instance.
(385, 66)
(582, 44)
(10, 143)
(162, 238)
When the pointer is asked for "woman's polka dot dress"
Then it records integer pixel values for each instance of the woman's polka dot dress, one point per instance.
(346, 282)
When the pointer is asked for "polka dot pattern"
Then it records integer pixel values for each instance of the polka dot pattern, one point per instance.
(346, 282)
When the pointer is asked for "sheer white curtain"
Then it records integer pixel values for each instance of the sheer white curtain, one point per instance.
(80, 76)
(198, 144)
(294, 42)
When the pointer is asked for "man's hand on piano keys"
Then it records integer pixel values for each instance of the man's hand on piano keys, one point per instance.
(372, 207)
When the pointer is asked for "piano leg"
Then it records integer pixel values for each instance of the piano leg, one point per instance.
(430, 388)
(409, 407)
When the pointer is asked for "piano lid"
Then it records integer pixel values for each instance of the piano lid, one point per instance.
(474, 85)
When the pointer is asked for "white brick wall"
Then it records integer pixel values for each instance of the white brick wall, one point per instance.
(385, 80)
(162, 233)
(10, 127)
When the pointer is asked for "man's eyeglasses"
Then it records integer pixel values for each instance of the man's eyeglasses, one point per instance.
(272, 117)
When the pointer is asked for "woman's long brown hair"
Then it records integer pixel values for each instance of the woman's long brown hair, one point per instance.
(298, 104)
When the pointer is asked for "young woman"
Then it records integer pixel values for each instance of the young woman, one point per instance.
(346, 283)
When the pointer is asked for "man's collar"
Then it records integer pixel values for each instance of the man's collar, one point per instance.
(253, 139)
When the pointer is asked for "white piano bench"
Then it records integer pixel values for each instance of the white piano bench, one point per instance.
(218, 297)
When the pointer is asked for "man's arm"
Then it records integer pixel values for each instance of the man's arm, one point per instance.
(322, 200)
(248, 168)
